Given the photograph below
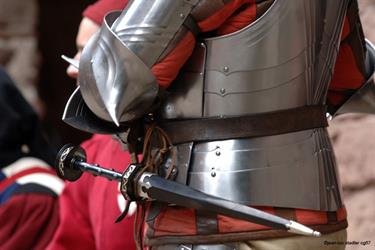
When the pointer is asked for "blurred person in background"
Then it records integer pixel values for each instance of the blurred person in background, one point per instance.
(29, 187)
(90, 206)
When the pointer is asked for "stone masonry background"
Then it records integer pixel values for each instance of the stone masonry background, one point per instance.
(354, 144)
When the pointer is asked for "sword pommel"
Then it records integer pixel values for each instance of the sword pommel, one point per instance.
(65, 159)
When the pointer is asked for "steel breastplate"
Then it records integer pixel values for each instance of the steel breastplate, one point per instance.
(283, 60)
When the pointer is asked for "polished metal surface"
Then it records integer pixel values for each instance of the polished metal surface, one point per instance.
(183, 152)
(143, 185)
(147, 27)
(291, 170)
(79, 116)
(115, 84)
(363, 101)
(297, 228)
(285, 59)
(114, 71)
(186, 100)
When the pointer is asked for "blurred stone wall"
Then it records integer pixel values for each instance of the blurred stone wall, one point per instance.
(33, 35)
(19, 45)
(354, 144)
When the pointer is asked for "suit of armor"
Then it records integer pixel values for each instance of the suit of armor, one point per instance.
(247, 112)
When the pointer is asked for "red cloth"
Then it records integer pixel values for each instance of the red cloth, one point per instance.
(28, 221)
(89, 207)
(97, 11)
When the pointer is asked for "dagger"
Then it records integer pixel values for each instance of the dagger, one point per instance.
(136, 185)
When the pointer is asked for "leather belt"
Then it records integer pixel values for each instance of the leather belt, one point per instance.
(257, 125)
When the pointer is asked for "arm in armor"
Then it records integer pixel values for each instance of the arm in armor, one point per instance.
(136, 52)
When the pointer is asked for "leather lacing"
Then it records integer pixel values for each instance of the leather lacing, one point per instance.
(157, 148)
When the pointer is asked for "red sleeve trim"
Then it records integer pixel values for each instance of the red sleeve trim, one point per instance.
(98, 10)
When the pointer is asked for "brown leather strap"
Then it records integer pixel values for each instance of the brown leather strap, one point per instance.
(264, 124)
(286, 213)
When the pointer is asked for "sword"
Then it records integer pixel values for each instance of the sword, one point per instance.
(135, 185)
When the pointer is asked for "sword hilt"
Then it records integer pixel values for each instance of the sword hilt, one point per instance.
(71, 163)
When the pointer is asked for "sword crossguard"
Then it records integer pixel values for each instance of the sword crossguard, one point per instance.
(128, 188)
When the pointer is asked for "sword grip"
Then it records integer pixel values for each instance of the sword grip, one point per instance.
(71, 163)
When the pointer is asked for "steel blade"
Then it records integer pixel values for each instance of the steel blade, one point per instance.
(161, 189)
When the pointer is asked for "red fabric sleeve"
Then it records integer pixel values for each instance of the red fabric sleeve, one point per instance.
(89, 206)
(226, 20)
(74, 211)
(349, 71)
(97, 11)
(74, 231)
(28, 221)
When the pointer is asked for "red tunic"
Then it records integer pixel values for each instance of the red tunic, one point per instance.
(28, 221)
(90, 206)
(28, 204)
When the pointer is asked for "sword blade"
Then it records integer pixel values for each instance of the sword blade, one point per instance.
(172, 192)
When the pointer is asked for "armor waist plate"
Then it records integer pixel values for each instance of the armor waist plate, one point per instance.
(283, 60)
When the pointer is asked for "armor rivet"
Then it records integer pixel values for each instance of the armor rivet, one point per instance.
(213, 174)
(226, 69)
(218, 153)
(182, 15)
(222, 91)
